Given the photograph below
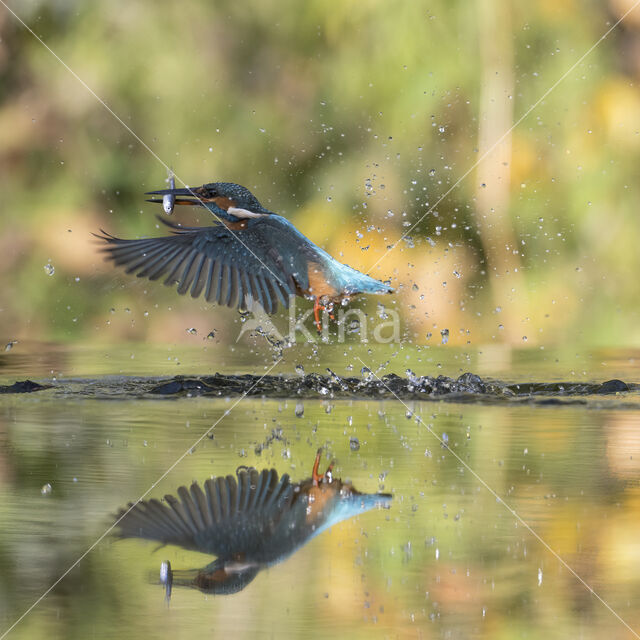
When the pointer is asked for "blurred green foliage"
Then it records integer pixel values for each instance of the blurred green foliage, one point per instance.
(346, 117)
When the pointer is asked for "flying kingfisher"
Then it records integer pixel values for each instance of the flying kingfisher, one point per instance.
(249, 254)
(250, 522)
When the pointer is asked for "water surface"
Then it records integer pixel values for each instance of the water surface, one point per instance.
(446, 560)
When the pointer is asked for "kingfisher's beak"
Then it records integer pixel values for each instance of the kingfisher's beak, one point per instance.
(180, 196)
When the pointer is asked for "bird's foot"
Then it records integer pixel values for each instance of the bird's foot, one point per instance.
(317, 307)
(316, 315)
(316, 477)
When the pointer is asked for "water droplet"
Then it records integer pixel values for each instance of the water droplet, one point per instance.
(432, 172)
(193, 331)
(445, 336)
(524, 338)
(299, 410)
(353, 326)
(46, 489)
(211, 335)
(445, 440)
(354, 444)
(10, 344)
(366, 373)
(49, 269)
(299, 369)
(539, 577)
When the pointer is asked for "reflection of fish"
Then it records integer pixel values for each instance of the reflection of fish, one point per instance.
(166, 578)
(250, 255)
(249, 522)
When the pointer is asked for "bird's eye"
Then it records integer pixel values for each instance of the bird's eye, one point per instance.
(206, 191)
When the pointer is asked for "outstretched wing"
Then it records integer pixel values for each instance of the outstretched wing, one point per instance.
(229, 518)
(263, 262)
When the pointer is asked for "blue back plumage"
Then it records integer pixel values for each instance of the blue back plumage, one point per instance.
(343, 277)
(248, 255)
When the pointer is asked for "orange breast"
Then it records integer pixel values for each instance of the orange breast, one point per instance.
(319, 497)
(318, 285)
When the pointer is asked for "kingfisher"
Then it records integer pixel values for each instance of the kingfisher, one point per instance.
(249, 255)
(249, 522)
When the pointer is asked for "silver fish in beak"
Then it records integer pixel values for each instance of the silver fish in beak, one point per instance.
(169, 199)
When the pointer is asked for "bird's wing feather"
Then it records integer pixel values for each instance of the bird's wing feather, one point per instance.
(265, 262)
(226, 518)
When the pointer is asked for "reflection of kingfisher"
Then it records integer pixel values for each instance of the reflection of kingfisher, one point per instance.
(251, 255)
(249, 522)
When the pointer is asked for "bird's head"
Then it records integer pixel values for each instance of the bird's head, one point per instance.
(225, 199)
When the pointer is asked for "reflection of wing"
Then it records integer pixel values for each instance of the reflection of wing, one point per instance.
(229, 518)
(264, 262)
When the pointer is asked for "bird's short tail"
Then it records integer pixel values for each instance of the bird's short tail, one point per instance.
(362, 283)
